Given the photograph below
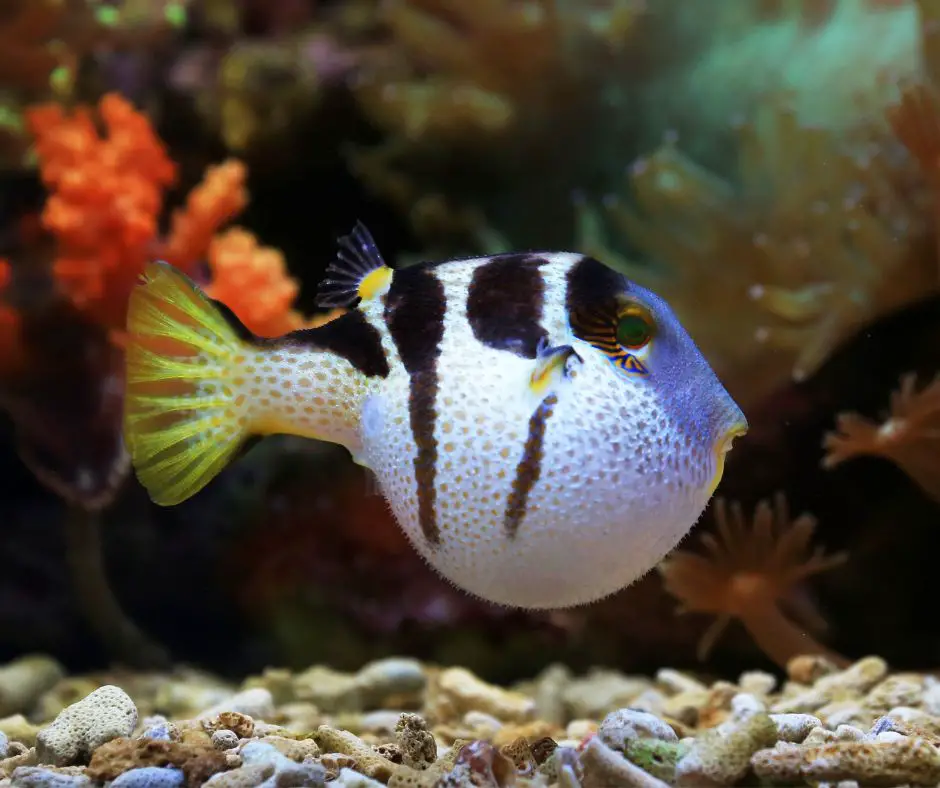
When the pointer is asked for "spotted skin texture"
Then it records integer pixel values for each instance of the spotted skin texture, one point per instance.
(625, 471)
(525, 495)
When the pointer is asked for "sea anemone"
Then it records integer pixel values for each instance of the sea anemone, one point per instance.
(747, 572)
(909, 434)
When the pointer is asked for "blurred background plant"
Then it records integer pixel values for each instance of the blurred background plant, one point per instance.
(770, 168)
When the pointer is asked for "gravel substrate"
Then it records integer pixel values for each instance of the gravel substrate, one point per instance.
(403, 724)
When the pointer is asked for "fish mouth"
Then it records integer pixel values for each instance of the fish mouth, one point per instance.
(722, 447)
(736, 430)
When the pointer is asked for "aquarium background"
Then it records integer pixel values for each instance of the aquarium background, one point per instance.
(769, 167)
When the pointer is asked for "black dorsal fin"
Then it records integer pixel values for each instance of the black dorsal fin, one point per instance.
(358, 258)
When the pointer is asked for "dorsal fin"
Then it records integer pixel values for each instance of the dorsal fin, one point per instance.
(358, 272)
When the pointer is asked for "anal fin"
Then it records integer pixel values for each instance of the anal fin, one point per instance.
(553, 364)
(359, 272)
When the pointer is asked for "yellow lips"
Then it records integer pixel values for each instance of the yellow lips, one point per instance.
(722, 447)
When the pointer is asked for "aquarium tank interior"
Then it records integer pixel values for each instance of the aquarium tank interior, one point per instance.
(469, 393)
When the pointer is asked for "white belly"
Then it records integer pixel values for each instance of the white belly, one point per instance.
(610, 500)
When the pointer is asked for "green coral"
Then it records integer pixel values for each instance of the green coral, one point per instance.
(655, 756)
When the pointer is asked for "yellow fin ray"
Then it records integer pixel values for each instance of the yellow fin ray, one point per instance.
(182, 420)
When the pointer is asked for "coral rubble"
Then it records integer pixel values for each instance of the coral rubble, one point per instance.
(402, 723)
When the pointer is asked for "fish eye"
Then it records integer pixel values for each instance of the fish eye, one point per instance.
(634, 330)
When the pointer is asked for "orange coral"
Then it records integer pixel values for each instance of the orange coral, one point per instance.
(815, 239)
(107, 195)
(747, 573)
(909, 436)
(252, 280)
(211, 204)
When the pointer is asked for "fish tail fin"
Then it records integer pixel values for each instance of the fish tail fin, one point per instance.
(185, 417)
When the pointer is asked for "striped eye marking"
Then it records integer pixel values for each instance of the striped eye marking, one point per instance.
(622, 332)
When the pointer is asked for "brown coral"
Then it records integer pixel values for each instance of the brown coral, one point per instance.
(909, 436)
(477, 92)
(814, 239)
(747, 572)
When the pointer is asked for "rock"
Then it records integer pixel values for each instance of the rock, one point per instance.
(105, 714)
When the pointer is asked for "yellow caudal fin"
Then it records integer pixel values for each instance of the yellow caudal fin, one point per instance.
(183, 420)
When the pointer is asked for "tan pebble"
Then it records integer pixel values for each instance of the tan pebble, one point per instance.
(381, 721)
(930, 700)
(548, 693)
(295, 749)
(349, 778)
(650, 700)
(604, 767)
(278, 681)
(819, 736)
(66, 692)
(392, 677)
(808, 669)
(241, 724)
(463, 692)
(24, 680)
(256, 703)
(757, 682)
(794, 727)
(23, 758)
(804, 701)
(482, 724)
(537, 729)
(889, 736)
(329, 690)
(859, 677)
(105, 714)
(578, 730)
(686, 706)
(418, 747)
(601, 691)
(845, 712)
(912, 761)
(300, 716)
(520, 753)
(183, 698)
(367, 760)
(901, 689)
(849, 733)
(624, 725)
(197, 760)
(249, 776)
(334, 762)
(723, 756)
(675, 681)
(224, 740)
(18, 728)
(780, 764)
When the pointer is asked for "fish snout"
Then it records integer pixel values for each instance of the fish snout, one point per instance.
(729, 423)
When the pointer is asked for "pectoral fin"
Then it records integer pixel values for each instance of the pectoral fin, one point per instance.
(553, 364)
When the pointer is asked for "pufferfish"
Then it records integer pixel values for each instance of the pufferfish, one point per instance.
(543, 429)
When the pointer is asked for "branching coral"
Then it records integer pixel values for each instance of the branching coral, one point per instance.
(479, 97)
(909, 436)
(105, 206)
(812, 241)
(747, 572)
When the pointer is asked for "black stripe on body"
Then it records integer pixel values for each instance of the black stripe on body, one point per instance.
(351, 337)
(591, 286)
(505, 302)
(414, 313)
(529, 468)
